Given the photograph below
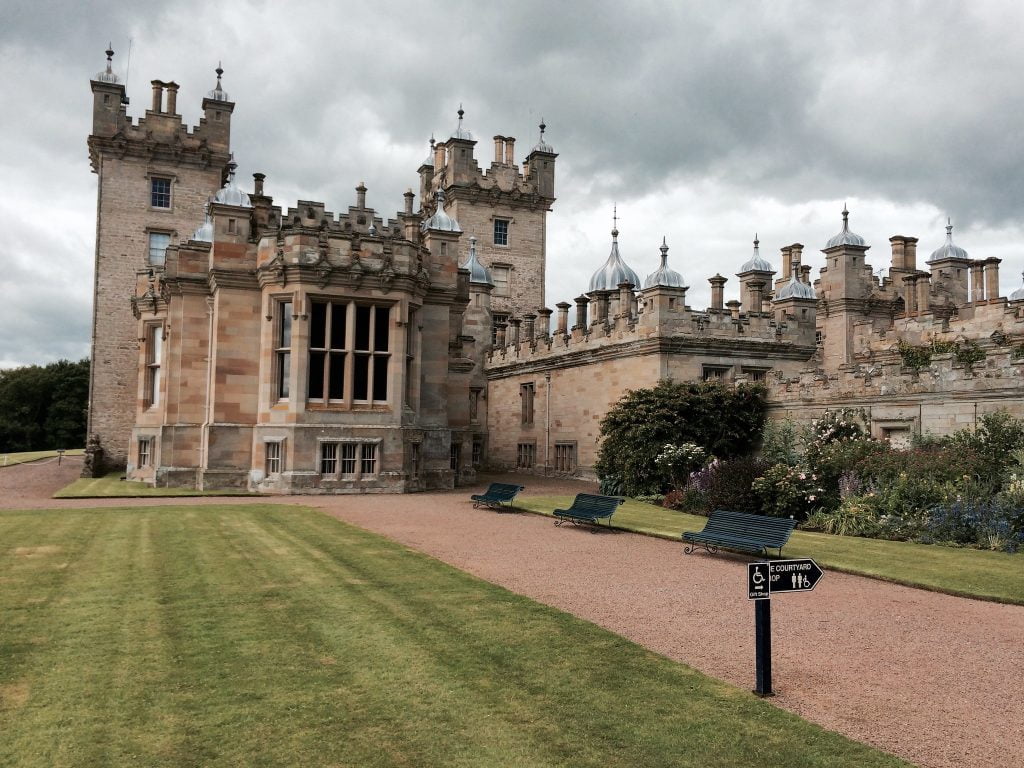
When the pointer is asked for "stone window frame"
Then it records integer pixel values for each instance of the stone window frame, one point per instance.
(475, 397)
(352, 353)
(366, 451)
(477, 457)
(153, 176)
(496, 221)
(144, 452)
(271, 456)
(153, 337)
(281, 366)
(415, 459)
(527, 396)
(711, 372)
(169, 234)
(756, 373)
(496, 318)
(455, 456)
(526, 454)
(566, 458)
(507, 268)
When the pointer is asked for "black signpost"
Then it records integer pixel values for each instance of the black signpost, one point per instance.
(763, 579)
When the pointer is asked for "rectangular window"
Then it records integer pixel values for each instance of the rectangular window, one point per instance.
(283, 350)
(474, 405)
(500, 277)
(501, 231)
(497, 319)
(368, 459)
(160, 193)
(158, 242)
(478, 451)
(348, 458)
(414, 460)
(154, 355)
(328, 458)
(410, 355)
(526, 394)
(456, 456)
(273, 462)
(144, 451)
(715, 373)
(565, 457)
(526, 455)
(756, 374)
(329, 377)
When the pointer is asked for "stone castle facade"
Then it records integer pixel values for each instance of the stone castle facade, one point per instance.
(242, 344)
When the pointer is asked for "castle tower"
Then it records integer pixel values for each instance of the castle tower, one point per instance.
(755, 279)
(845, 287)
(154, 178)
(504, 207)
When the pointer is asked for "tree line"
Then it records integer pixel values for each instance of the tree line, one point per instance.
(43, 407)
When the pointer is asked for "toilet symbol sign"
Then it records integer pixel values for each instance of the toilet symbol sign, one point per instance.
(765, 579)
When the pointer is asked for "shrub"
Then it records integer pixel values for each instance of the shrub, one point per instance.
(856, 516)
(730, 485)
(995, 439)
(780, 443)
(984, 523)
(784, 491)
(678, 461)
(718, 419)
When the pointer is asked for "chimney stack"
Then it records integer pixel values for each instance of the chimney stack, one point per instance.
(910, 253)
(718, 291)
(581, 312)
(897, 251)
(408, 201)
(257, 183)
(361, 196)
(563, 317)
(992, 278)
(499, 148)
(158, 95)
(172, 98)
(510, 144)
(977, 281)
(515, 322)
(923, 285)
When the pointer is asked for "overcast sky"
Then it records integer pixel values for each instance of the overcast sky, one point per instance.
(705, 122)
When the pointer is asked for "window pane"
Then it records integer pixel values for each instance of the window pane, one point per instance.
(161, 195)
(318, 327)
(363, 328)
(336, 376)
(369, 464)
(348, 458)
(316, 375)
(285, 339)
(158, 242)
(338, 313)
(360, 383)
(284, 374)
(380, 377)
(500, 232)
(380, 331)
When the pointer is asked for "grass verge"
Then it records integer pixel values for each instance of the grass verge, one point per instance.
(993, 576)
(10, 459)
(112, 486)
(272, 635)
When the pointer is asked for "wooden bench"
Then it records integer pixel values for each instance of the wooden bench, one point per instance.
(589, 508)
(738, 530)
(496, 495)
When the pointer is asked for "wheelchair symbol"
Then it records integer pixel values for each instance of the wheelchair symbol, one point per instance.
(758, 578)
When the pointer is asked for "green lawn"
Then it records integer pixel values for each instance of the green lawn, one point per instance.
(272, 635)
(112, 486)
(10, 459)
(967, 572)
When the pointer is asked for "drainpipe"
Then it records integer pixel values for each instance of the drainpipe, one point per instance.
(547, 423)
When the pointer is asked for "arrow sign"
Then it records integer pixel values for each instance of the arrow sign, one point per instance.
(793, 575)
(758, 577)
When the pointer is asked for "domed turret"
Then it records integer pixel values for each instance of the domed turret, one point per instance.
(663, 276)
(478, 273)
(948, 250)
(614, 271)
(218, 93)
(107, 75)
(846, 237)
(1018, 295)
(543, 146)
(796, 288)
(440, 220)
(756, 263)
(230, 194)
(460, 132)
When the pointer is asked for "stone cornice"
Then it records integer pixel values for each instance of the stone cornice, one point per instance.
(230, 278)
(513, 198)
(151, 150)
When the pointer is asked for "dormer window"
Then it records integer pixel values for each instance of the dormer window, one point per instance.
(160, 193)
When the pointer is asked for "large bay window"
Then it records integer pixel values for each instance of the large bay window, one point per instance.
(283, 350)
(349, 350)
(154, 356)
(348, 459)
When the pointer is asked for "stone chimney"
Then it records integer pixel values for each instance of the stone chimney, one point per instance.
(581, 312)
(755, 295)
(718, 291)
(499, 336)
(499, 148)
(408, 201)
(910, 253)
(992, 278)
(158, 95)
(805, 274)
(172, 98)
(361, 196)
(796, 252)
(563, 317)
(897, 252)
(625, 300)
(601, 315)
(510, 145)
(734, 309)
(514, 322)
(438, 157)
(544, 324)
(977, 281)
(909, 293)
(529, 323)
(924, 287)
(257, 183)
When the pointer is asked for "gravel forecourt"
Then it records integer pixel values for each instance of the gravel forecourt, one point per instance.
(935, 679)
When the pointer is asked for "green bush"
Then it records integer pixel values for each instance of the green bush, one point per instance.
(43, 406)
(785, 491)
(856, 516)
(995, 439)
(718, 419)
(780, 443)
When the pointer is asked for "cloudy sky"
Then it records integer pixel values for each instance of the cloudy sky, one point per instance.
(705, 122)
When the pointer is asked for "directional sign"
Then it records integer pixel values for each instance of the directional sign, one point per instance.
(758, 577)
(793, 575)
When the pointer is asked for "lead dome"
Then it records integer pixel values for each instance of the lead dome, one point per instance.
(663, 276)
(949, 249)
(756, 263)
(478, 273)
(846, 237)
(614, 271)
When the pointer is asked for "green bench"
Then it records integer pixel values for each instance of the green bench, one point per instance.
(738, 530)
(589, 508)
(496, 495)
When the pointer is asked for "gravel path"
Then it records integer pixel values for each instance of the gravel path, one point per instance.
(938, 680)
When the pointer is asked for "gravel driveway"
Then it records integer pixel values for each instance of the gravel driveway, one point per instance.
(938, 680)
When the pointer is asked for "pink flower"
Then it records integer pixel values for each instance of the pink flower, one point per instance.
(803, 476)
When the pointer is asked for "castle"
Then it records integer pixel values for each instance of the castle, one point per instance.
(239, 344)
